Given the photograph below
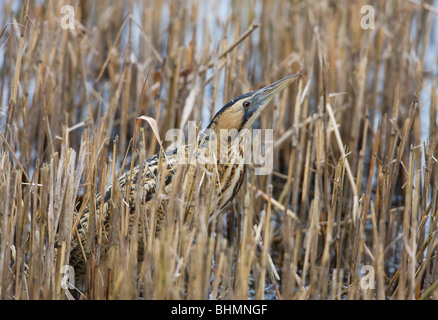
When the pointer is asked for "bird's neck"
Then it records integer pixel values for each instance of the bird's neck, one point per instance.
(222, 148)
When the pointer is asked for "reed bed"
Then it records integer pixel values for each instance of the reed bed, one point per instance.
(350, 209)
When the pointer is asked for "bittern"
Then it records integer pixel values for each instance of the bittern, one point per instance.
(237, 115)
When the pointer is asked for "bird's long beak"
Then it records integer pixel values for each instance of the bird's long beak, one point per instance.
(264, 95)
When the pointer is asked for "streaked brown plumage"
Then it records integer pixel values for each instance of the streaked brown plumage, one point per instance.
(238, 114)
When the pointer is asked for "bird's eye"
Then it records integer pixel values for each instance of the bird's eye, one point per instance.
(246, 104)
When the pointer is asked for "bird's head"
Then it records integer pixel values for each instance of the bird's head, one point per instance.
(241, 113)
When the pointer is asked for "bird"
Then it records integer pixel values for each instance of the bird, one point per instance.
(157, 174)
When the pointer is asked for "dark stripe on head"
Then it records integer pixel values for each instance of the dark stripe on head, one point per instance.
(229, 104)
(248, 114)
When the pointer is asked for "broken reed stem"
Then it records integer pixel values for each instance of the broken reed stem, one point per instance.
(347, 165)
(247, 33)
(11, 151)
